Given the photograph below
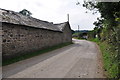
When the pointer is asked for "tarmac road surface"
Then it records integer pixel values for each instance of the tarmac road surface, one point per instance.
(79, 60)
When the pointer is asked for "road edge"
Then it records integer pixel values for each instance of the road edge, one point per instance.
(100, 62)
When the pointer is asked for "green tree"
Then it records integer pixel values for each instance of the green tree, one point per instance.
(109, 32)
(25, 12)
(108, 10)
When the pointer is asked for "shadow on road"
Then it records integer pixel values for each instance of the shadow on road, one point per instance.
(22, 65)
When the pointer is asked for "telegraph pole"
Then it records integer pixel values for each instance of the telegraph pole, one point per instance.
(78, 28)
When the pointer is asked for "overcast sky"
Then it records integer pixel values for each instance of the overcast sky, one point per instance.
(54, 11)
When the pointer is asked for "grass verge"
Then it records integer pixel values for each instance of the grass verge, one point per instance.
(26, 56)
(110, 60)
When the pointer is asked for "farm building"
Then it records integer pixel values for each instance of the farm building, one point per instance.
(23, 34)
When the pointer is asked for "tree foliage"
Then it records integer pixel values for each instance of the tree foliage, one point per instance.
(25, 12)
(110, 14)
(107, 26)
(107, 9)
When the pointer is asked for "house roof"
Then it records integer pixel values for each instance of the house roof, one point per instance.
(17, 18)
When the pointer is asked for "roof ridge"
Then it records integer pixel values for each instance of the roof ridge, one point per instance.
(17, 18)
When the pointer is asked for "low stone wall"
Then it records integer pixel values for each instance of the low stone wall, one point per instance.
(20, 39)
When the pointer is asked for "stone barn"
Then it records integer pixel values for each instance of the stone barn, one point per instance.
(22, 34)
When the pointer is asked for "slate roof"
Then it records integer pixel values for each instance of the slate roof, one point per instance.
(17, 18)
(61, 25)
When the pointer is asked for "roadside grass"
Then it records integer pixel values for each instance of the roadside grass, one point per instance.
(32, 54)
(95, 40)
(111, 63)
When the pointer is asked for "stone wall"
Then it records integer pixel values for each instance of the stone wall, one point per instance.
(21, 39)
(67, 34)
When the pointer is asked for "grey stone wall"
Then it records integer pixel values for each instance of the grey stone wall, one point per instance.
(67, 34)
(20, 39)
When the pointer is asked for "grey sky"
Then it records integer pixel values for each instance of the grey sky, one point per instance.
(54, 11)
